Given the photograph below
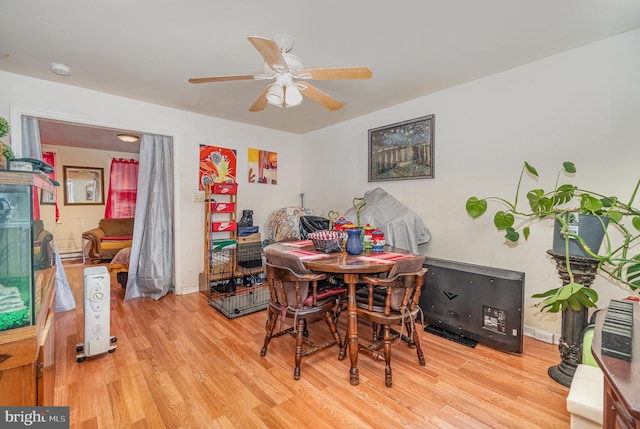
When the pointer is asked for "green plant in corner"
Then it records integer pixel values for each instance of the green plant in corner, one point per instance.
(619, 261)
(4, 130)
(4, 127)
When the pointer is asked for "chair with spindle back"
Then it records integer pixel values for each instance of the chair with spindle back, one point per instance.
(294, 295)
(389, 301)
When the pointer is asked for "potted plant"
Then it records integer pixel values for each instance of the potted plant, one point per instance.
(566, 204)
(6, 154)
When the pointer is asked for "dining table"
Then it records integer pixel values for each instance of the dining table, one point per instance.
(350, 267)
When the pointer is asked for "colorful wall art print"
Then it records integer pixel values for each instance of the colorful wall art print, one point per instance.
(263, 166)
(217, 165)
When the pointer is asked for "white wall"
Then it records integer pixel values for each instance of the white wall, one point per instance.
(41, 98)
(581, 106)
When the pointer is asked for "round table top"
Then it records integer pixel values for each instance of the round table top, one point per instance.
(341, 262)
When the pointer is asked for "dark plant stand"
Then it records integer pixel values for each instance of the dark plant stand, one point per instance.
(573, 322)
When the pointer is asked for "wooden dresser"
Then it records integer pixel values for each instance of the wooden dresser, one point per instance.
(621, 378)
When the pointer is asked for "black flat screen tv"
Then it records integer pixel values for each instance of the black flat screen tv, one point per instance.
(471, 302)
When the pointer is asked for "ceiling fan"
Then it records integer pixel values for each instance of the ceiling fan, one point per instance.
(289, 76)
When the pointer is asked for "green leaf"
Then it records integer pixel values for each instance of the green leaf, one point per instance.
(476, 207)
(564, 292)
(635, 268)
(539, 203)
(591, 294)
(569, 167)
(573, 303)
(636, 222)
(557, 306)
(526, 231)
(575, 287)
(503, 220)
(633, 275)
(512, 235)
(545, 294)
(584, 300)
(563, 194)
(589, 203)
(551, 300)
(616, 216)
(531, 169)
(534, 197)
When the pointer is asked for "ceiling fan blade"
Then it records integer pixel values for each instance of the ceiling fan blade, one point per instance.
(270, 52)
(320, 97)
(221, 78)
(261, 102)
(336, 73)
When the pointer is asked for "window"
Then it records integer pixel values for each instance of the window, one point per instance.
(123, 189)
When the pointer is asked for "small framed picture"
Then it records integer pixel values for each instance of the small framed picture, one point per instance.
(47, 197)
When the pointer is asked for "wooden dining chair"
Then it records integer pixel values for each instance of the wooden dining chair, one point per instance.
(391, 301)
(296, 294)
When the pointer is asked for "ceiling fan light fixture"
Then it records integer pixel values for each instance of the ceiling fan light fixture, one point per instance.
(286, 70)
(275, 95)
(292, 97)
(128, 138)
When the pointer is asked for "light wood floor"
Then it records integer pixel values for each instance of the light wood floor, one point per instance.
(182, 364)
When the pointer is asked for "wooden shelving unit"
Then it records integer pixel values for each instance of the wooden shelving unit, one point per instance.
(219, 220)
(231, 263)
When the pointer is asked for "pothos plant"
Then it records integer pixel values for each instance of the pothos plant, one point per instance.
(619, 261)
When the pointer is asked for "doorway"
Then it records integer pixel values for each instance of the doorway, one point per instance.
(83, 144)
(83, 147)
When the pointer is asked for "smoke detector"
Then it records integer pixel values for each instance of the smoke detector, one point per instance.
(60, 69)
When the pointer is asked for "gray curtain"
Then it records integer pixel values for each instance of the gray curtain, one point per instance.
(30, 145)
(151, 263)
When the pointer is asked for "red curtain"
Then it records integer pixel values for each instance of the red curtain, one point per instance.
(123, 189)
(36, 204)
(50, 158)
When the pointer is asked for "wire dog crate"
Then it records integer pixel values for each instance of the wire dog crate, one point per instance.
(244, 300)
(236, 286)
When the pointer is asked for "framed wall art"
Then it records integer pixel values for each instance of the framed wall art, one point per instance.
(217, 165)
(262, 166)
(47, 197)
(402, 151)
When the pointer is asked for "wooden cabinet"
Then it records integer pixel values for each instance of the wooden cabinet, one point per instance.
(621, 379)
(27, 357)
(27, 292)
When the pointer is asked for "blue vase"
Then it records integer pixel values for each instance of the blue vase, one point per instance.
(354, 244)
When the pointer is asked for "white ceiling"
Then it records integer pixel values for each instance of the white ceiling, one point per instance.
(75, 135)
(147, 49)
